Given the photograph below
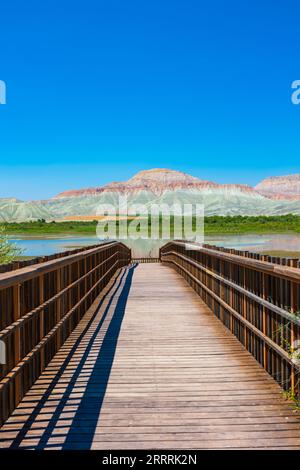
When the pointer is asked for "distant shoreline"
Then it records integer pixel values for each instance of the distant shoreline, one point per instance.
(213, 225)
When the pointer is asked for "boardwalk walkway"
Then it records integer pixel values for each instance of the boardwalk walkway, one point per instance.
(151, 367)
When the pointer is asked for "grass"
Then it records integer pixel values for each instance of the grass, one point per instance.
(212, 225)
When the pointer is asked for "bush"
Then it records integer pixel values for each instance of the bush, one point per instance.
(8, 251)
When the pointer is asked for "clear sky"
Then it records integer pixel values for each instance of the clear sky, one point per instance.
(98, 90)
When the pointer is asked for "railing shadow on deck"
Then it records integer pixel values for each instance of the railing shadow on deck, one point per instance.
(99, 375)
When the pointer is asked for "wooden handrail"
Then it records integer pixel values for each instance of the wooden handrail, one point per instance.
(287, 272)
(48, 337)
(257, 300)
(41, 304)
(250, 295)
(37, 310)
(10, 278)
(249, 325)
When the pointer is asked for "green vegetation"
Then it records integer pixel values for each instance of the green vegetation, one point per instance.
(41, 227)
(252, 224)
(282, 253)
(281, 334)
(291, 396)
(213, 225)
(8, 251)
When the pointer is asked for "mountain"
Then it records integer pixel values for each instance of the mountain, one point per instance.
(280, 187)
(274, 196)
(14, 210)
(156, 181)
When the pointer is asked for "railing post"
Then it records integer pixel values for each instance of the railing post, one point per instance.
(17, 339)
(86, 283)
(222, 291)
(244, 313)
(231, 294)
(42, 319)
(58, 309)
(78, 289)
(69, 303)
(264, 318)
(294, 309)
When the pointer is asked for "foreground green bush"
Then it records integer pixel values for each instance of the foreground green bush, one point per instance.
(8, 251)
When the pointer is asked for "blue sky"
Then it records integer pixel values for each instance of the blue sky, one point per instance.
(98, 90)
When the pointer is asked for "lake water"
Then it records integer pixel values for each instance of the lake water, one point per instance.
(145, 248)
(49, 246)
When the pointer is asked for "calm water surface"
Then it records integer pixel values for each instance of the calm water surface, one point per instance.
(141, 248)
(49, 246)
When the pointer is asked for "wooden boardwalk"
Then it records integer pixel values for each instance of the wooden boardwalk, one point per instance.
(150, 367)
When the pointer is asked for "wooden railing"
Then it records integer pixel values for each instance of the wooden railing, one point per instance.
(18, 264)
(40, 305)
(145, 260)
(257, 297)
